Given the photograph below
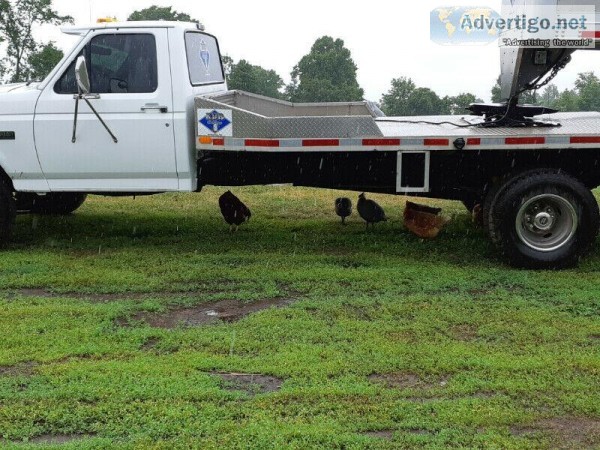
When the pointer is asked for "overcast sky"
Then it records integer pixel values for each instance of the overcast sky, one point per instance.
(387, 38)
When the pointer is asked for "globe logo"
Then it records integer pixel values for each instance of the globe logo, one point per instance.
(464, 25)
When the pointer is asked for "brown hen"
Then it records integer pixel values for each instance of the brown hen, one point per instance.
(424, 221)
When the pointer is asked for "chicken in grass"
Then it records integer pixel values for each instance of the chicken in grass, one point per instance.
(424, 221)
(234, 211)
(370, 211)
(343, 208)
(477, 215)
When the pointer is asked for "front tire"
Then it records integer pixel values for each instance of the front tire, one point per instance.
(8, 212)
(60, 203)
(544, 220)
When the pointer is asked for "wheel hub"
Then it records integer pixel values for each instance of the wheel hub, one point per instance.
(544, 221)
(547, 222)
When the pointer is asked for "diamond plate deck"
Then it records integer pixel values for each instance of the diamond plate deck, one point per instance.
(572, 124)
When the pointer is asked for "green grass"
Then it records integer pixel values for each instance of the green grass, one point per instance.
(496, 352)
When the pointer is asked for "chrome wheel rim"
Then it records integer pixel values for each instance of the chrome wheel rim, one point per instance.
(547, 223)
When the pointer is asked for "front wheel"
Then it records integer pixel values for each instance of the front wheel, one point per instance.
(60, 203)
(544, 220)
(8, 212)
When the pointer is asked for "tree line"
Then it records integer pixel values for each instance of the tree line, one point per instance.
(326, 74)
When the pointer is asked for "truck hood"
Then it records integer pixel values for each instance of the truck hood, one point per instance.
(18, 98)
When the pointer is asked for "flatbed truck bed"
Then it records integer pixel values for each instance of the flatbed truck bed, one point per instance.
(415, 149)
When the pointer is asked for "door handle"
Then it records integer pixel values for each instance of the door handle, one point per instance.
(87, 96)
(155, 107)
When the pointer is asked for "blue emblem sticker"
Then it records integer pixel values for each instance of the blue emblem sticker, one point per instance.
(215, 122)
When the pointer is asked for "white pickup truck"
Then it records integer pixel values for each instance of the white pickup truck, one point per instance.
(143, 108)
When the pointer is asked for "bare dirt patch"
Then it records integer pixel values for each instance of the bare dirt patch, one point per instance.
(383, 434)
(404, 336)
(520, 431)
(206, 314)
(566, 432)
(149, 344)
(56, 439)
(479, 292)
(408, 380)
(464, 332)
(41, 293)
(358, 312)
(251, 384)
(485, 394)
(26, 369)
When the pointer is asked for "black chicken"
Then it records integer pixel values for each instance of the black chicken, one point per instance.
(234, 211)
(370, 211)
(343, 208)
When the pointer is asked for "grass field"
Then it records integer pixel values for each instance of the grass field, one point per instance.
(142, 323)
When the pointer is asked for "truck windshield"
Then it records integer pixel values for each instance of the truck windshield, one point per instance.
(204, 59)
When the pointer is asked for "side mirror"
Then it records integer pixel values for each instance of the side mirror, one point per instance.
(81, 74)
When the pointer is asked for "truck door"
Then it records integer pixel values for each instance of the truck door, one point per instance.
(130, 78)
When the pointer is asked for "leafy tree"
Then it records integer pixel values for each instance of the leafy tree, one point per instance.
(394, 102)
(588, 88)
(584, 97)
(326, 74)
(250, 78)
(267, 82)
(242, 76)
(405, 99)
(568, 101)
(43, 60)
(527, 97)
(459, 103)
(497, 92)
(549, 96)
(227, 62)
(165, 13)
(17, 19)
(425, 102)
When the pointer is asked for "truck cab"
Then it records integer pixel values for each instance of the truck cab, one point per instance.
(143, 80)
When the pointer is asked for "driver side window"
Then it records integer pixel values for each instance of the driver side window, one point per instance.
(117, 64)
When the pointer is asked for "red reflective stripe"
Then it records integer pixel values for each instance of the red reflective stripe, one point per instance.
(585, 140)
(591, 34)
(261, 143)
(218, 141)
(432, 142)
(525, 141)
(382, 142)
(321, 143)
(474, 141)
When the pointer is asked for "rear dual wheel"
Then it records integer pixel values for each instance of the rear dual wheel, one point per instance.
(542, 219)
